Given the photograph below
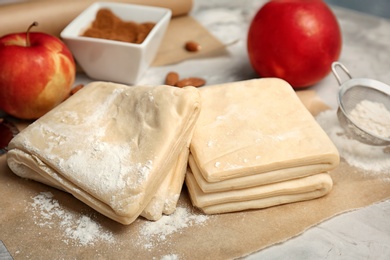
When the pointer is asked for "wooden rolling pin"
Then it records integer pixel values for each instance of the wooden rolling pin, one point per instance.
(54, 15)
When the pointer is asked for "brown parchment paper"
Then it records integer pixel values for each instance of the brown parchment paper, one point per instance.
(54, 15)
(311, 101)
(180, 30)
(223, 236)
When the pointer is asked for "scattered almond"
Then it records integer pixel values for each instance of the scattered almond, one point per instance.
(172, 78)
(195, 82)
(192, 46)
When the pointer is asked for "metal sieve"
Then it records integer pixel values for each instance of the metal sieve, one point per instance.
(353, 91)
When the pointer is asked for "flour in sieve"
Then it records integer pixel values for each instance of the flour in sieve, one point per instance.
(374, 159)
(373, 117)
(81, 230)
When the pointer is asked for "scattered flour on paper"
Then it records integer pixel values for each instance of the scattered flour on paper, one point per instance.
(155, 232)
(80, 229)
(170, 257)
(375, 159)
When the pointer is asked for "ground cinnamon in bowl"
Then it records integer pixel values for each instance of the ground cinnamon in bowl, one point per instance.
(108, 26)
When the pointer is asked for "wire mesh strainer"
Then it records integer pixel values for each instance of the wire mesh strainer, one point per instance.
(351, 93)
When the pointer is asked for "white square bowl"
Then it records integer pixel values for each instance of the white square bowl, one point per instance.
(116, 61)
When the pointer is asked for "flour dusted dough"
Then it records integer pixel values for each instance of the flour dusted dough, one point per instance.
(262, 196)
(254, 179)
(254, 127)
(165, 199)
(254, 133)
(109, 145)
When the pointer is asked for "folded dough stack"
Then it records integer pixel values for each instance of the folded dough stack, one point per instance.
(121, 150)
(255, 145)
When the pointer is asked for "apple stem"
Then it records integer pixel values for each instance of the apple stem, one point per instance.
(28, 33)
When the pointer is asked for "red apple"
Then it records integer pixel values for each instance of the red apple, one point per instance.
(296, 40)
(37, 71)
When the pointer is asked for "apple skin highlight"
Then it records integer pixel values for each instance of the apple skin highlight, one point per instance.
(34, 77)
(296, 40)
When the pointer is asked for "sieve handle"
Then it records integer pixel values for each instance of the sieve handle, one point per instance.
(334, 70)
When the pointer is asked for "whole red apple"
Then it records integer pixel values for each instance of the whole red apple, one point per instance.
(37, 71)
(296, 40)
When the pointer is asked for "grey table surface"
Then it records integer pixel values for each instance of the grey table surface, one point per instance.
(4, 254)
(363, 233)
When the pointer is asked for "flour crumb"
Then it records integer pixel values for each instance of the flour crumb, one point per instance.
(170, 257)
(82, 230)
(155, 232)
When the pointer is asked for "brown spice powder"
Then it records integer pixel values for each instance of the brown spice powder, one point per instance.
(108, 26)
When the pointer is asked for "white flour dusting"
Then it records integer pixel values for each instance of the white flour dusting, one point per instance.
(80, 229)
(373, 117)
(158, 231)
(170, 257)
(360, 155)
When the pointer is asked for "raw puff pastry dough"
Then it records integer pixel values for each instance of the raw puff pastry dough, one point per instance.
(255, 133)
(165, 199)
(109, 145)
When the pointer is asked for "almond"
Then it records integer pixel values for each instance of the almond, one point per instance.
(192, 46)
(75, 89)
(192, 81)
(172, 78)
